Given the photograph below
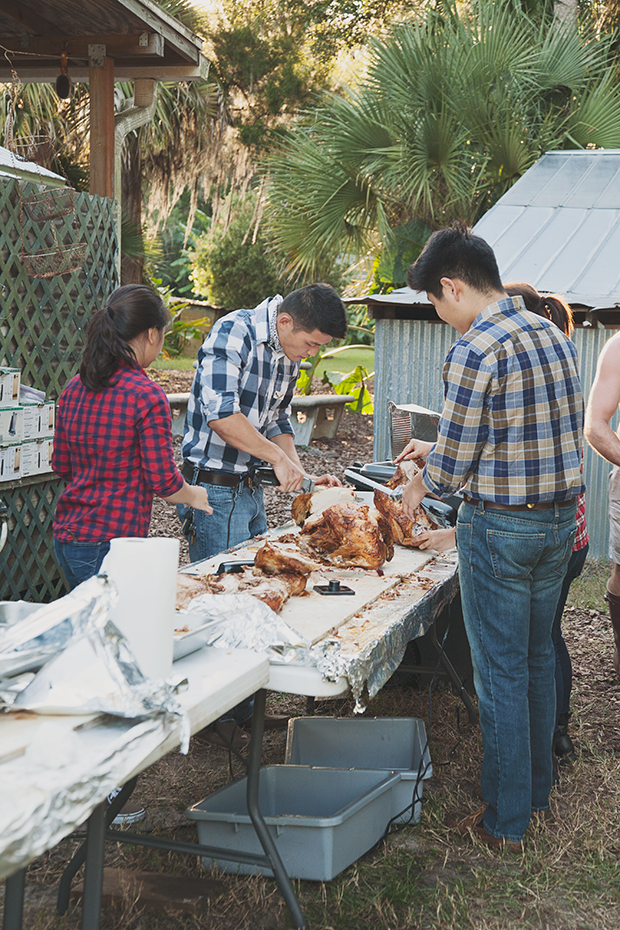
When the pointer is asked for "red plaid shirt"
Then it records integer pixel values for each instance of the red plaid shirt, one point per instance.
(114, 448)
(581, 539)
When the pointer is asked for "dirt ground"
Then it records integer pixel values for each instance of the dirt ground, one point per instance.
(454, 880)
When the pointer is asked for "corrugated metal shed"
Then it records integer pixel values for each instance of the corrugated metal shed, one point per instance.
(558, 227)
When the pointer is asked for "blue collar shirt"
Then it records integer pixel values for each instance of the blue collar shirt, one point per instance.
(241, 369)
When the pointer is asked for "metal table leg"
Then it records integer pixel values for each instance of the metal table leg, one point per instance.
(266, 840)
(93, 876)
(79, 857)
(14, 900)
(451, 671)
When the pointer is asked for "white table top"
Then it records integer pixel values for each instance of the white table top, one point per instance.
(366, 637)
(55, 770)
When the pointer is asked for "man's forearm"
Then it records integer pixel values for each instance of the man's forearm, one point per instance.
(603, 440)
(237, 431)
(286, 442)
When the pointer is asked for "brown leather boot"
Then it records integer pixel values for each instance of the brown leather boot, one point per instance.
(614, 612)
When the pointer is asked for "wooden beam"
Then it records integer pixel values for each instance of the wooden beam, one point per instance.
(120, 46)
(178, 37)
(29, 22)
(124, 70)
(101, 88)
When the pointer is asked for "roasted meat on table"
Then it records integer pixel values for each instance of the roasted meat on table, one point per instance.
(403, 529)
(355, 535)
(273, 591)
(273, 558)
(313, 502)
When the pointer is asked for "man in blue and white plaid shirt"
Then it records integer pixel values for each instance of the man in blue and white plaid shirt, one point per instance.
(239, 408)
(510, 437)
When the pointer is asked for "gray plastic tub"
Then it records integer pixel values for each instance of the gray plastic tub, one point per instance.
(321, 819)
(383, 743)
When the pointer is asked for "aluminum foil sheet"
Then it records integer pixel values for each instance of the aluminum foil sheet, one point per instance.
(369, 650)
(88, 666)
(229, 621)
(25, 645)
(63, 773)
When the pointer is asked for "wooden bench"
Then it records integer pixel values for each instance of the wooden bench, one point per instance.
(317, 416)
(314, 416)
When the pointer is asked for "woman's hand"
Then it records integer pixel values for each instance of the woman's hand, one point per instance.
(193, 495)
(201, 499)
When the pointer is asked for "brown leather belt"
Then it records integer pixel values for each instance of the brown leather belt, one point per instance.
(494, 505)
(225, 479)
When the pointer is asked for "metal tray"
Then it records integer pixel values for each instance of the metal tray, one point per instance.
(186, 643)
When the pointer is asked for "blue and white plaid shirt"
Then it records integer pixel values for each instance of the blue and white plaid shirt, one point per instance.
(511, 427)
(241, 369)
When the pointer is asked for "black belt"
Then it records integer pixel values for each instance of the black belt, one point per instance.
(226, 479)
(494, 505)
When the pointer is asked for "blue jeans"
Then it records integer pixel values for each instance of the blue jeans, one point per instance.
(511, 568)
(563, 666)
(80, 560)
(238, 514)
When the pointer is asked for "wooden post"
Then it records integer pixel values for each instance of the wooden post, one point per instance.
(101, 89)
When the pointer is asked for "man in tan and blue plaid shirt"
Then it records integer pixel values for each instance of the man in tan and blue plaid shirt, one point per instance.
(510, 438)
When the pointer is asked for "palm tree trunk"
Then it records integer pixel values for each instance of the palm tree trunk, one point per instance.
(566, 11)
(132, 256)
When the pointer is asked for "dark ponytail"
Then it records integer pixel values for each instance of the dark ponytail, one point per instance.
(552, 308)
(130, 311)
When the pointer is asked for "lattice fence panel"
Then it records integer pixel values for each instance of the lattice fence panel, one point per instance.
(29, 569)
(42, 319)
(42, 333)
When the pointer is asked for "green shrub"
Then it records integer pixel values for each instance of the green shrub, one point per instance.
(230, 267)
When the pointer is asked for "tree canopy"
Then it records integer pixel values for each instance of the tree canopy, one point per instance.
(453, 108)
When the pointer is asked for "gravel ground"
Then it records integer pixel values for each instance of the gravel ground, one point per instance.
(323, 456)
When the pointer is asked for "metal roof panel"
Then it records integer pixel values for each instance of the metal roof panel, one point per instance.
(558, 227)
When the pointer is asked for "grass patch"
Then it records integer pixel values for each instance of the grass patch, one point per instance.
(174, 364)
(348, 361)
(587, 592)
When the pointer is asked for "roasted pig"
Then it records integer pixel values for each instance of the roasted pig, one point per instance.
(349, 535)
(305, 505)
(274, 559)
(404, 530)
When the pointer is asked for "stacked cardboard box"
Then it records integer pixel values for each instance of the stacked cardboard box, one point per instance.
(27, 423)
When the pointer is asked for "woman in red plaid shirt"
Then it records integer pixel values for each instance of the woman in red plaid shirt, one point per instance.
(113, 441)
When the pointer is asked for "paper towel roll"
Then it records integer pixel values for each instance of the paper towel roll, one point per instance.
(144, 572)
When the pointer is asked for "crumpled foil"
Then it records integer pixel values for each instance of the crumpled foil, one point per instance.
(229, 621)
(57, 769)
(61, 776)
(396, 623)
(89, 668)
